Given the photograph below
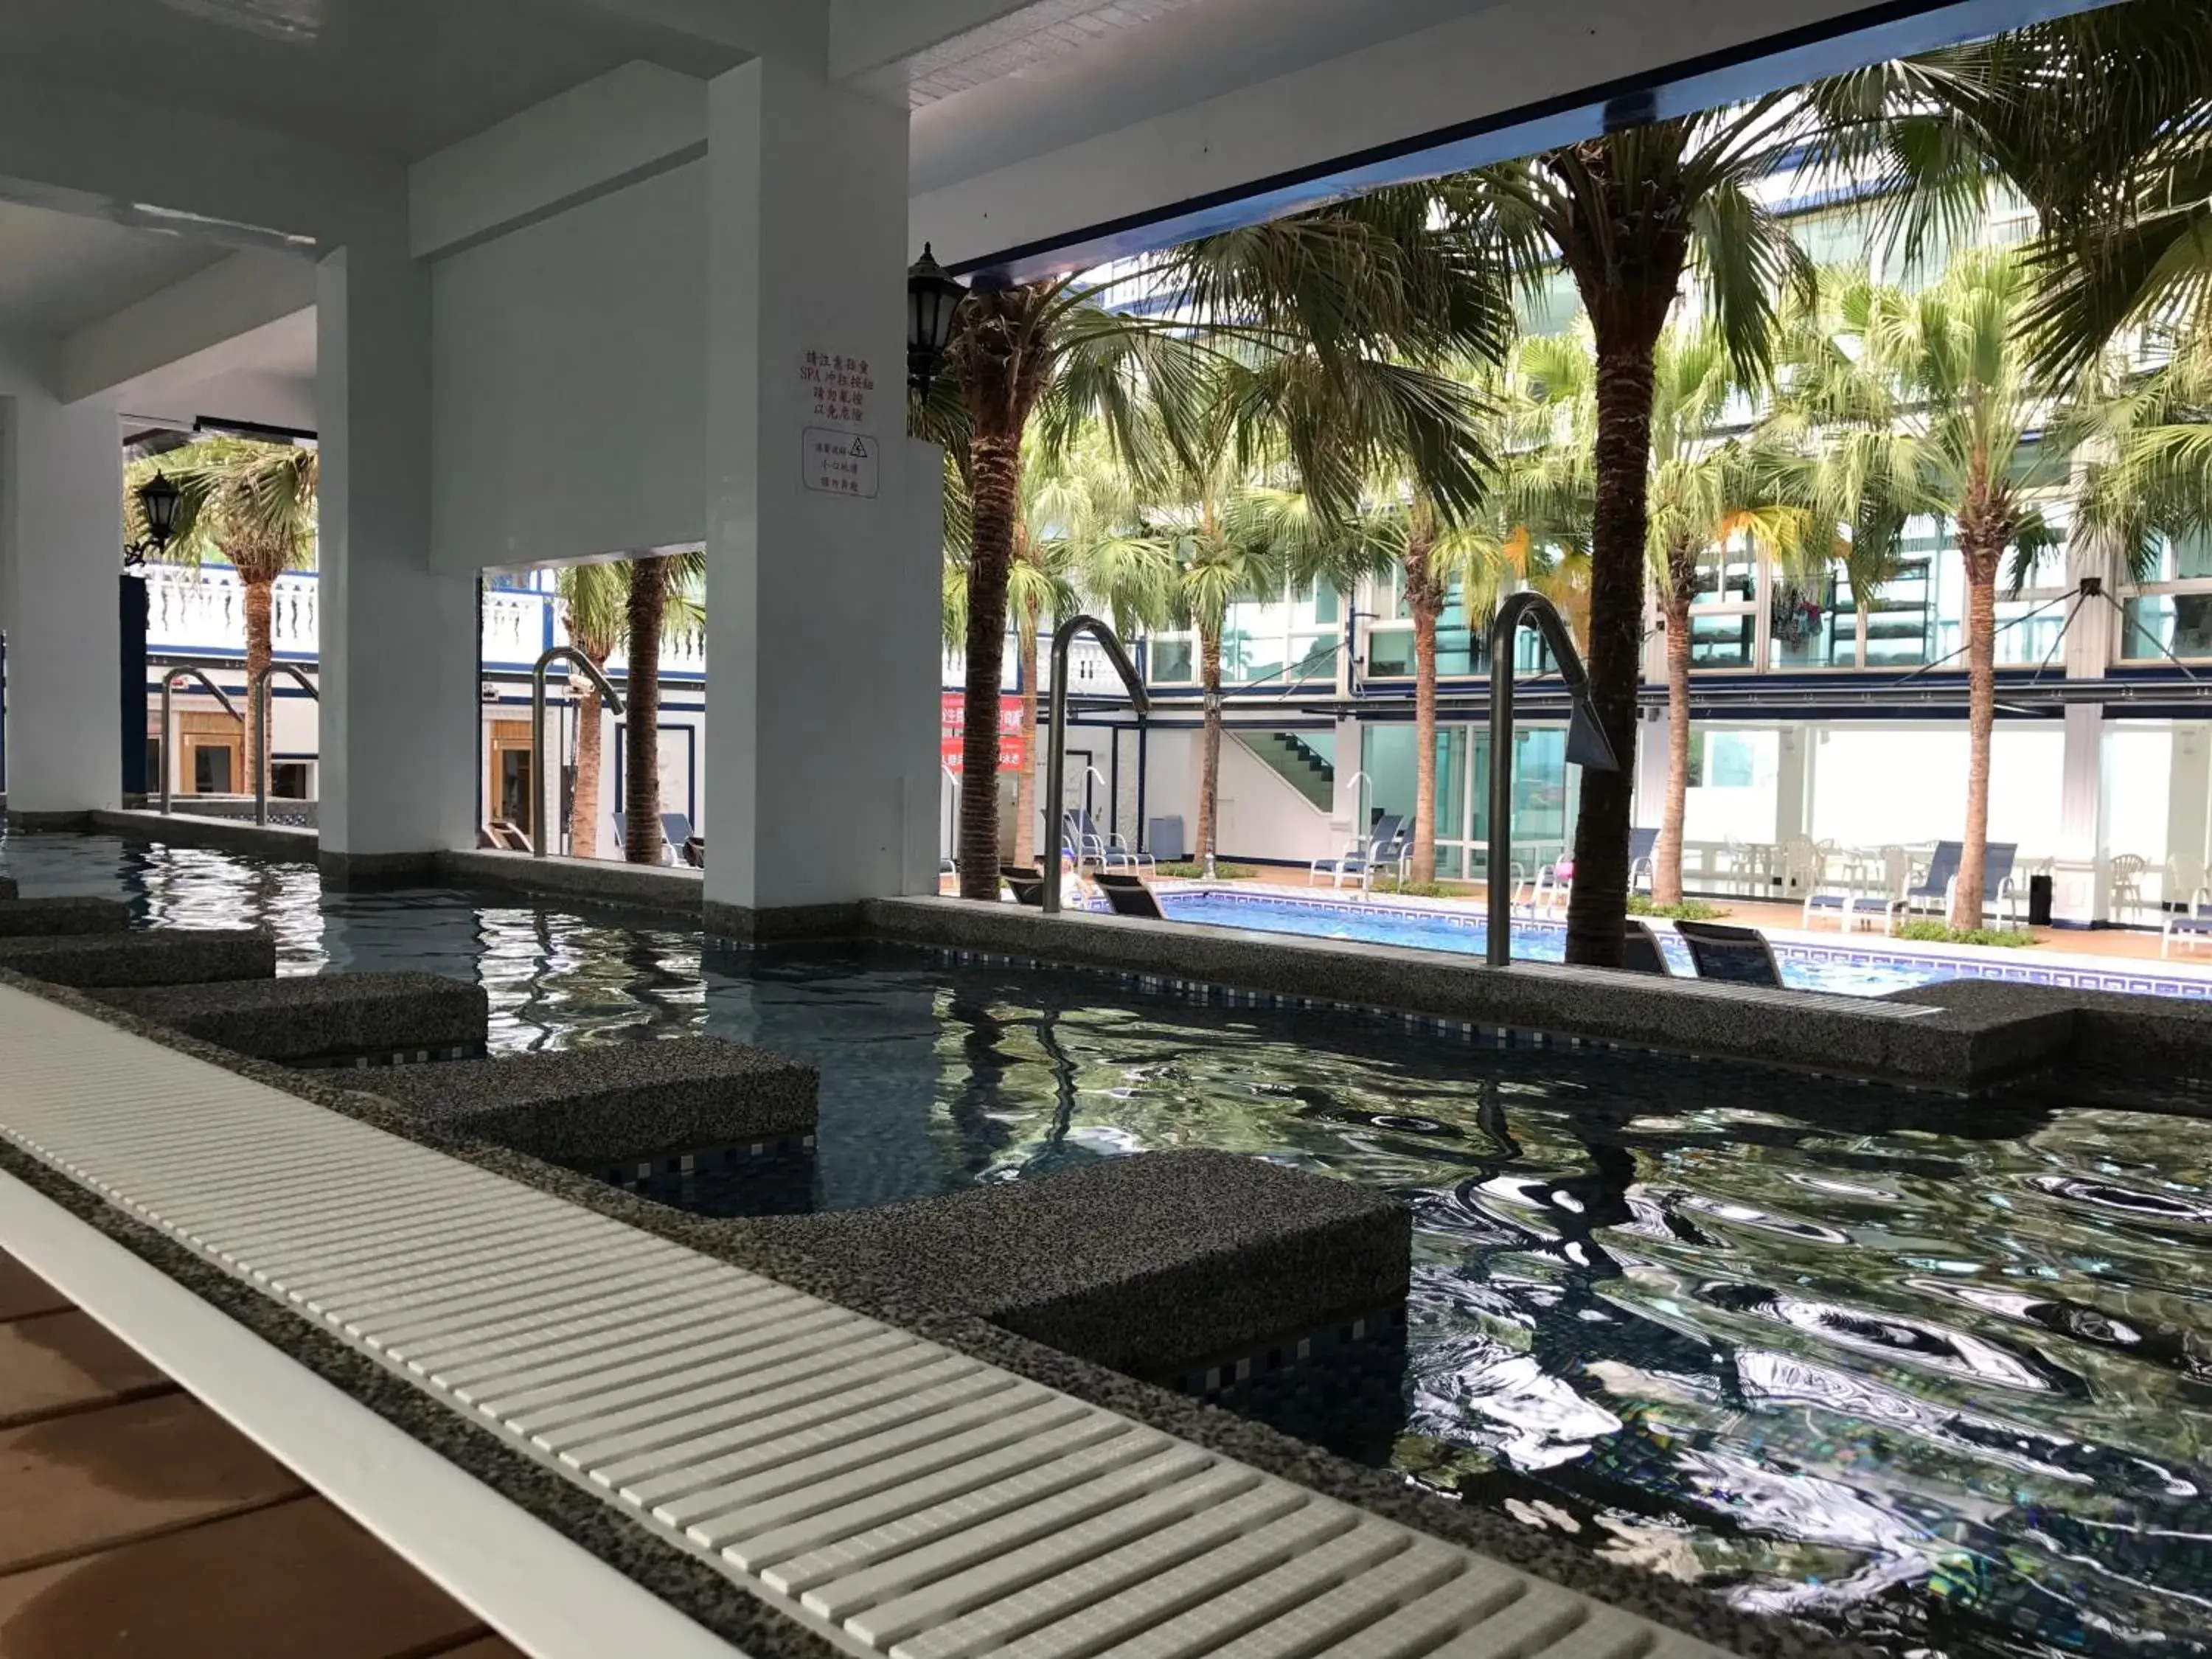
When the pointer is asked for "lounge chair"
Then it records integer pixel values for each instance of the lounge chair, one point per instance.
(1028, 885)
(2188, 925)
(1642, 844)
(1083, 842)
(1740, 956)
(1640, 952)
(675, 831)
(506, 835)
(1386, 848)
(694, 851)
(1932, 893)
(1127, 892)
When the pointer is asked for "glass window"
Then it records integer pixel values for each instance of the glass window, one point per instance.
(1723, 641)
(1813, 626)
(2160, 623)
(1390, 653)
(1172, 661)
(1328, 604)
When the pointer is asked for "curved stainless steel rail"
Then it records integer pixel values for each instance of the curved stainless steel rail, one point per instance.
(169, 678)
(558, 653)
(1586, 746)
(1055, 779)
(256, 697)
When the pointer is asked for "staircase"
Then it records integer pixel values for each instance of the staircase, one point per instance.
(1297, 762)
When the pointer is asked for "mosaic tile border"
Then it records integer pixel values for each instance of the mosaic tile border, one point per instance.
(632, 1172)
(1475, 1033)
(1289, 1352)
(393, 1057)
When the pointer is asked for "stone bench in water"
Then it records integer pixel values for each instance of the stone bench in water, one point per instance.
(42, 918)
(1158, 1264)
(324, 1019)
(151, 956)
(617, 1103)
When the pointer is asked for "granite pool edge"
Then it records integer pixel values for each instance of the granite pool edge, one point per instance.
(1951, 1050)
(689, 1583)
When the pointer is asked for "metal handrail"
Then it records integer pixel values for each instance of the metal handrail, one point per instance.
(256, 697)
(576, 659)
(1055, 785)
(1587, 746)
(169, 678)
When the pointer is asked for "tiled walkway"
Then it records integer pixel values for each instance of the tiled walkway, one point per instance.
(136, 1524)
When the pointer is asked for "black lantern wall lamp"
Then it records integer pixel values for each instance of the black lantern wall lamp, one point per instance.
(932, 300)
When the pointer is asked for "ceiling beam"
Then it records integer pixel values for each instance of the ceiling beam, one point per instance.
(622, 127)
(200, 315)
(1503, 81)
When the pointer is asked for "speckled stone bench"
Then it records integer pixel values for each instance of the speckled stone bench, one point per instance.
(153, 956)
(324, 1019)
(8, 889)
(617, 1101)
(1151, 1264)
(42, 918)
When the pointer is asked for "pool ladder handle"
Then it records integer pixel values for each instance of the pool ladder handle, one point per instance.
(256, 696)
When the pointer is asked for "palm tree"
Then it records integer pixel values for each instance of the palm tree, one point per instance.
(1222, 534)
(2103, 120)
(595, 608)
(1927, 405)
(1357, 299)
(1628, 214)
(251, 503)
(659, 590)
(1706, 488)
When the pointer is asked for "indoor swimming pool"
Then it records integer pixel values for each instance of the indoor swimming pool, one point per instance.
(1935, 1376)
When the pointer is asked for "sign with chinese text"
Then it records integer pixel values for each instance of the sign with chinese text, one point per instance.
(840, 463)
(953, 725)
(839, 388)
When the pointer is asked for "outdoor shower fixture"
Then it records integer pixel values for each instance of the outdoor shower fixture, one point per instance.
(614, 702)
(1055, 783)
(1587, 746)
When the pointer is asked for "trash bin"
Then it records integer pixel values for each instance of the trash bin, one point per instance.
(2038, 901)
(1164, 840)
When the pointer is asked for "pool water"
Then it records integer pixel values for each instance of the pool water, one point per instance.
(1384, 924)
(1948, 1390)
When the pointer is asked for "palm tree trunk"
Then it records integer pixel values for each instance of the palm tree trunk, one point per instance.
(1209, 782)
(584, 805)
(1981, 564)
(259, 592)
(648, 604)
(1424, 595)
(996, 462)
(1598, 903)
(1666, 856)
(1026, 790)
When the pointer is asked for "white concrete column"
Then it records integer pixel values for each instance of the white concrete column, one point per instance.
(61, 550)
(2189, 809)
(1651, 737)
(2078, 885)
(400, 713)
(823, 522)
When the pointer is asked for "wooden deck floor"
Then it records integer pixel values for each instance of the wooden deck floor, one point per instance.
(136, 1524)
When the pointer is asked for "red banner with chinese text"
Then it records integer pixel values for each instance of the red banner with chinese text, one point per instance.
(953, 726)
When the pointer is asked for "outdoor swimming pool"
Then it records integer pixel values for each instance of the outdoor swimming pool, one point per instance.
(1380, 922)
(1949, 1391)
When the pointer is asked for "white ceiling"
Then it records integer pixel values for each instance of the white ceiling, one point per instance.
(1176, 55)
(400, 78)
(59, 272)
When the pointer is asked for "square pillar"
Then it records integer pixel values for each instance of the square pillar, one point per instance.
(824, 524)
(400, 712)
(61, 549)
